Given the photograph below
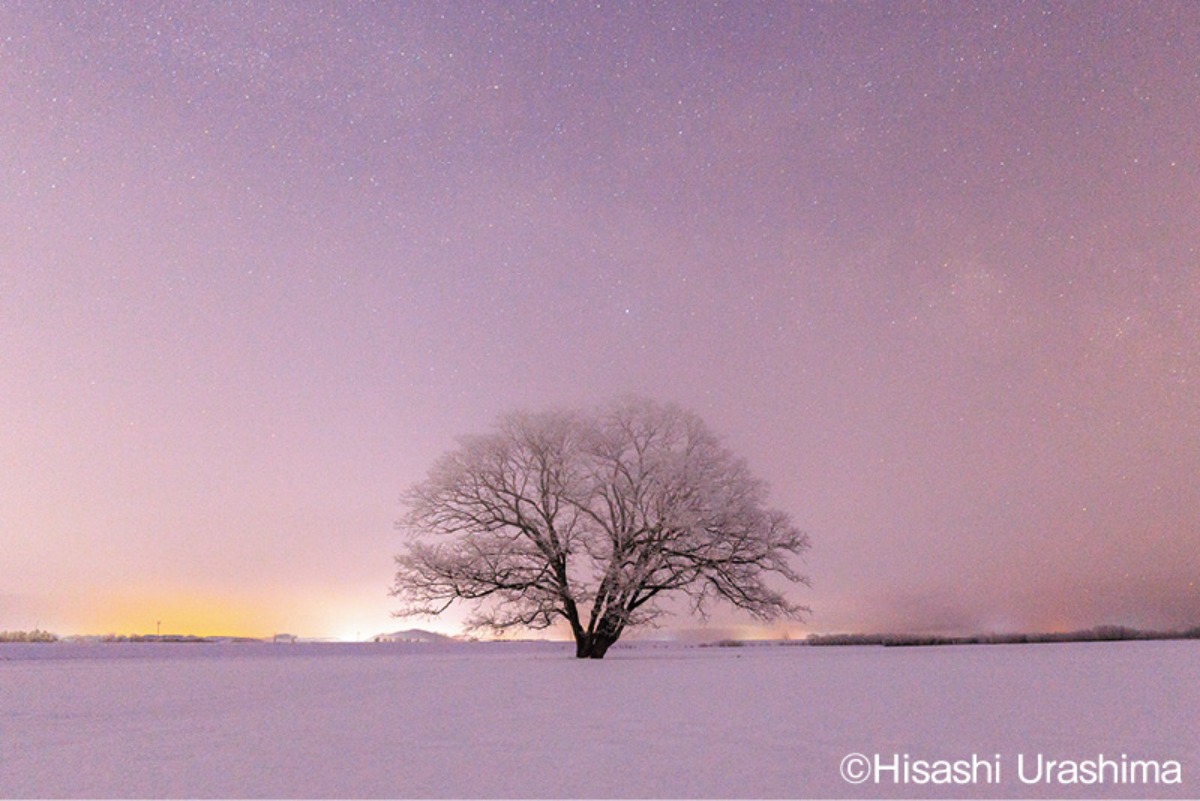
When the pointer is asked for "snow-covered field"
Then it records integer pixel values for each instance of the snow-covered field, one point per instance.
(525, 720)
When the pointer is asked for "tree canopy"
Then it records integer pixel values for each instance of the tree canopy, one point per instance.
(594, 519)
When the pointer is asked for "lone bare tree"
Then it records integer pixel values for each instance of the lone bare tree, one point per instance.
(593, 519)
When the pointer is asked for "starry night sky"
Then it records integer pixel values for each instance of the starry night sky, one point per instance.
(932, 268)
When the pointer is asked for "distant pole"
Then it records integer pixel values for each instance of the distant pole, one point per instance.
(158, 628)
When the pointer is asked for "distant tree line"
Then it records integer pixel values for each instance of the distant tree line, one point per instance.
(154, 638)
(37, 635)
(1097, 634)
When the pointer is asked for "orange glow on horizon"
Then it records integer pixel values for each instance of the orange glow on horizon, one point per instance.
(215, 612)
(201, 615)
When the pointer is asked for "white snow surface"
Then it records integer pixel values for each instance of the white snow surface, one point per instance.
(522, 720)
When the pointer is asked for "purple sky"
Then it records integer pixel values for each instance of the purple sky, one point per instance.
(933, 269)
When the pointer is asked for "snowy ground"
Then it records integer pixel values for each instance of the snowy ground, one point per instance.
(525, 720)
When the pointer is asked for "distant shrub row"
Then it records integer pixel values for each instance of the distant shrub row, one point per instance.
(1098, 634)
(37, 635)
(153, 638)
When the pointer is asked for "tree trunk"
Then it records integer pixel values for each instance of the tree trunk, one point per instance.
(592, 646)
(595, 644)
